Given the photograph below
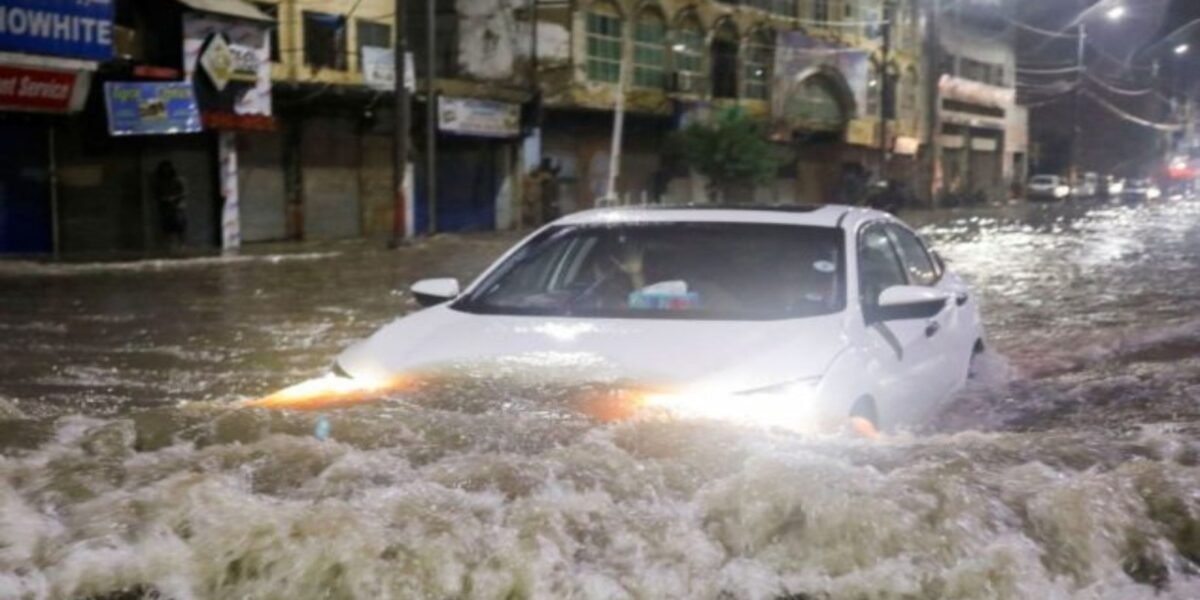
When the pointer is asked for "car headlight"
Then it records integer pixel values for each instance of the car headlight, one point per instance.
(1062, 191)
(789, 404)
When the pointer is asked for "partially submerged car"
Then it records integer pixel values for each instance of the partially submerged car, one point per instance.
(808, 318)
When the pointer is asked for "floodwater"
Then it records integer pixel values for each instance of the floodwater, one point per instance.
(1069, 469)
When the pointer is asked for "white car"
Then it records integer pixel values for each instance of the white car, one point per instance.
(1048, 187)
(807, 318)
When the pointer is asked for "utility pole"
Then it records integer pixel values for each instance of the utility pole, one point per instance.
(1077, 130)
(401, 131)
(431, 114)
(933, 66)
(614, 157)
(885, 88)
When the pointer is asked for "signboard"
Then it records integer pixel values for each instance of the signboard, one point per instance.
(71, 28)
(798, 58)
(484, 118)
(228, 61)
(974, 92)
(151, 108)
(379, 69)
(39, 89)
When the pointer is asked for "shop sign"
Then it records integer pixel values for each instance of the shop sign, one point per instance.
(151, 108)
(228, 62)
(37, 89)
(484, 118)
(379, 69)
(863, 132)
(906, 146)
(71, 28)
(974, 92)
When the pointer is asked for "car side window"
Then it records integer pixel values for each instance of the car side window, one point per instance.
(920, 266)
(879, 266)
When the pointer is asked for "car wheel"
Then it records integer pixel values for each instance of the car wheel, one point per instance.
(864, 419)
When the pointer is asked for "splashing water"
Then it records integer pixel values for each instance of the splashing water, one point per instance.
(1069, 468)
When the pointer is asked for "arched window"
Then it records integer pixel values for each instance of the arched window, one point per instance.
(604, 43)
(760, 55)
(650, 50)
(874, 90)
(725, 61)
(688, 52)
(909, 94)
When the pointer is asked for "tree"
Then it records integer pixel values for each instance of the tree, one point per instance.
(732, 151)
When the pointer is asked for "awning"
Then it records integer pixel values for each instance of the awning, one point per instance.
(230, 8)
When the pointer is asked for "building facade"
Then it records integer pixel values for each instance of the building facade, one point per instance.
(981, 146)
(291, 136)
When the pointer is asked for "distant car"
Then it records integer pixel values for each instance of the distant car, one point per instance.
(1140, 190)
(813, 319)
(1048, 187)
(1113, 186)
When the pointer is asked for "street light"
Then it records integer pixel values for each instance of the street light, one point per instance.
(1115, 13)
(1182, 49)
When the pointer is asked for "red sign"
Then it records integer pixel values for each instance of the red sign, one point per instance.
(232, 122)
(36, 89)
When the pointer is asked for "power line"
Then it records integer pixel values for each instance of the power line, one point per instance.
(1132, 118)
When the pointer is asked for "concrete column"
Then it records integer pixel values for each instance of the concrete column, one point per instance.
(231, 221)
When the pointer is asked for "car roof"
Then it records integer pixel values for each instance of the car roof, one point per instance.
(827, 215)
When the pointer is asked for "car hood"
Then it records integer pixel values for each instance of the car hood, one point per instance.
(735, 355)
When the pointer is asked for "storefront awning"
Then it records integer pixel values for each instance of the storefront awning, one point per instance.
(230, 8)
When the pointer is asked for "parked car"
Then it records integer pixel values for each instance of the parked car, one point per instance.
(1141, 190)
(812, 318)
(1047, 187)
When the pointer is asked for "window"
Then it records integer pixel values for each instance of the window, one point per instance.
(878, 265)
(921, 270)
(372, 34)
(820, 10)
(739, 271)
(603, 43)
(445, 58)
(725, 61)
(689, 55)
(271, 10)
(324, 41)
(760, 53)
(650, 50)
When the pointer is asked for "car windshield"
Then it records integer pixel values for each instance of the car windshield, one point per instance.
(1044, 180)
(734, 271)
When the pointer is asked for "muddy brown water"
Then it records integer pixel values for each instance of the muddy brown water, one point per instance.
(1069, 469)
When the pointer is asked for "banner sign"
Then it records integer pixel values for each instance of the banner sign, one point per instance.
(70, 28)
(974, 92)
(379, 69)
(798, 59)
(38, 89)
(228, 61)
(151, 108)
(484, 118)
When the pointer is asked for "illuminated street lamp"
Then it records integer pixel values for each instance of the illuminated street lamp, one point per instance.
(1182, 49)
(1115, 13)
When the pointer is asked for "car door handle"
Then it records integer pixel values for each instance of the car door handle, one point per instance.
(932, 328)
(961, 298)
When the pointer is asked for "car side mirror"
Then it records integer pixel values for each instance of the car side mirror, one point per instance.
(429, 292)
(901, 302)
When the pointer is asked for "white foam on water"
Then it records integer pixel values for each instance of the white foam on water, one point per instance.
(640, 510)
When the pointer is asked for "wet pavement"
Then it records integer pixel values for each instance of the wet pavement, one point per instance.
(1069, 469)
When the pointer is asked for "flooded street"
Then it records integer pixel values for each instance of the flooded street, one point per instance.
(1070, 468)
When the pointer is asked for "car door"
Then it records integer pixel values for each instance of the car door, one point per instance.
(946, 331)
(910, 361)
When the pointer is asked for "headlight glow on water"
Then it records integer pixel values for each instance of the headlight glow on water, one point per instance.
(788, 405)
(331, 391)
